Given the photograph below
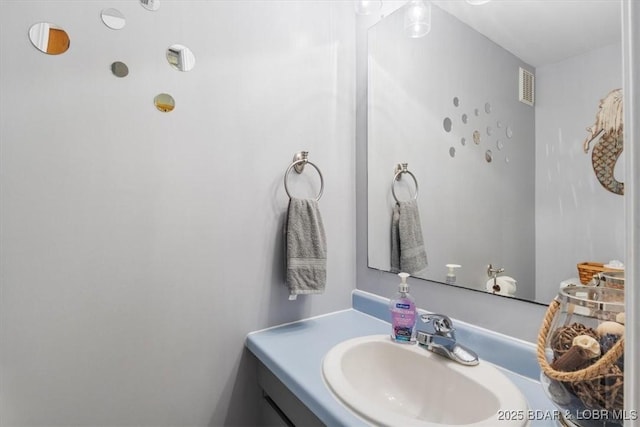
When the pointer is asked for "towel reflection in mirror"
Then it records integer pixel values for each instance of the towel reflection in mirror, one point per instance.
(408, 252)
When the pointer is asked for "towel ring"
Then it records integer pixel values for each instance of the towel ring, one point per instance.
(401, 168)
(299, 162)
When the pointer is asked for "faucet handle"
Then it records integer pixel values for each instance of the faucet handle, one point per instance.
(494, 271)
(442, 324)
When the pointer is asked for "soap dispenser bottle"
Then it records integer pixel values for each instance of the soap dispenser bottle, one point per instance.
(403, 314)
(451, 274)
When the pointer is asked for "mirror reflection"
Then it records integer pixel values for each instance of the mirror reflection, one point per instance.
(503, 182)
(49, 38)
(113, 19)
(119, 69)
(181, 58)
(151, 5)
(164, 102)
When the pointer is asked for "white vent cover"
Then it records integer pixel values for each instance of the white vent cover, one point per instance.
(526, 93)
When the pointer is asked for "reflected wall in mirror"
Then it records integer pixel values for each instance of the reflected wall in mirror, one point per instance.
(49, 38)
(181, 58)
(113, 19)
(522, 195)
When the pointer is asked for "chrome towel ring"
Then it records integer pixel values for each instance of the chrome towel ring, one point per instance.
(401, 168)
(299, 162)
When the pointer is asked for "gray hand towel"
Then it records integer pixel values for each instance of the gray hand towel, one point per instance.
(306, 248)
(395, 239)
(408, 253)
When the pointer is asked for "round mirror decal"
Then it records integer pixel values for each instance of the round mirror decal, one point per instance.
(119, 69)
(476, 137)
(113, 19)
(447, 124)
(488, 156)
(181, 57)
(151, 5)
(164, 102)
(463, 141)
(509, 132)
(49, 38)
(456, 101)
(487, 108)
(452, 151)
(465, 119)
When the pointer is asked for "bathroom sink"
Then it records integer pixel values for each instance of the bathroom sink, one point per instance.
(391, 384)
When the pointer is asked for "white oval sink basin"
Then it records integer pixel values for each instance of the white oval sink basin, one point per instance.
(391, 384)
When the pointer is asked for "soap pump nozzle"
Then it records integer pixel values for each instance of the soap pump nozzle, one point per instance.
(451, 274)
(403, 286)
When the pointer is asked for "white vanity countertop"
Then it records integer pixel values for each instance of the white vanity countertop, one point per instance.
(294, 352)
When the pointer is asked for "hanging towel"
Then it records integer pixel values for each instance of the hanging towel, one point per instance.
(407, 246)
(306, 248)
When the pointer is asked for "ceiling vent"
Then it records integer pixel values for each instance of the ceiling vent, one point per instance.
(527, 87)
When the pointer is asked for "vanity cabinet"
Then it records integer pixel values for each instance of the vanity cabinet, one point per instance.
(279, 406)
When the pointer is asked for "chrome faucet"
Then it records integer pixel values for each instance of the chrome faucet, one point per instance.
(493, 272)
(440, 338)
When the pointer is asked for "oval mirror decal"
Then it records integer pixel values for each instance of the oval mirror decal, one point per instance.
(151, 5)
(164, 102)
(113, 19)
(119, 69)
(49, 38)
(181, 57)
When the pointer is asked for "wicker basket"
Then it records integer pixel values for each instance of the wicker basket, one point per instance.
(576, 380)
(587, 270)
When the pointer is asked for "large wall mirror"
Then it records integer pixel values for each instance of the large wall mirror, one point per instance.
(502, 173)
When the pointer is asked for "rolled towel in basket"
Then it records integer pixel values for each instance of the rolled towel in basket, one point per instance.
(306, 247)
(408, 253)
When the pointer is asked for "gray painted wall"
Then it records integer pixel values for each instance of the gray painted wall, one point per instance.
(139, 248)
(577, 219)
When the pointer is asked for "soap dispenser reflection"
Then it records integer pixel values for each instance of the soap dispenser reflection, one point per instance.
(451, 274)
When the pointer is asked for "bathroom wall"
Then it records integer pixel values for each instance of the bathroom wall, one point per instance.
(577, 219)
(138, 247)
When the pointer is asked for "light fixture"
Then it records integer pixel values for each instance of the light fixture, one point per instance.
(367, 7)
(417, 18)
(477, 2)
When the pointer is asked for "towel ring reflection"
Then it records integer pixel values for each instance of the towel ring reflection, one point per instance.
(299, 162)
(401, 168)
